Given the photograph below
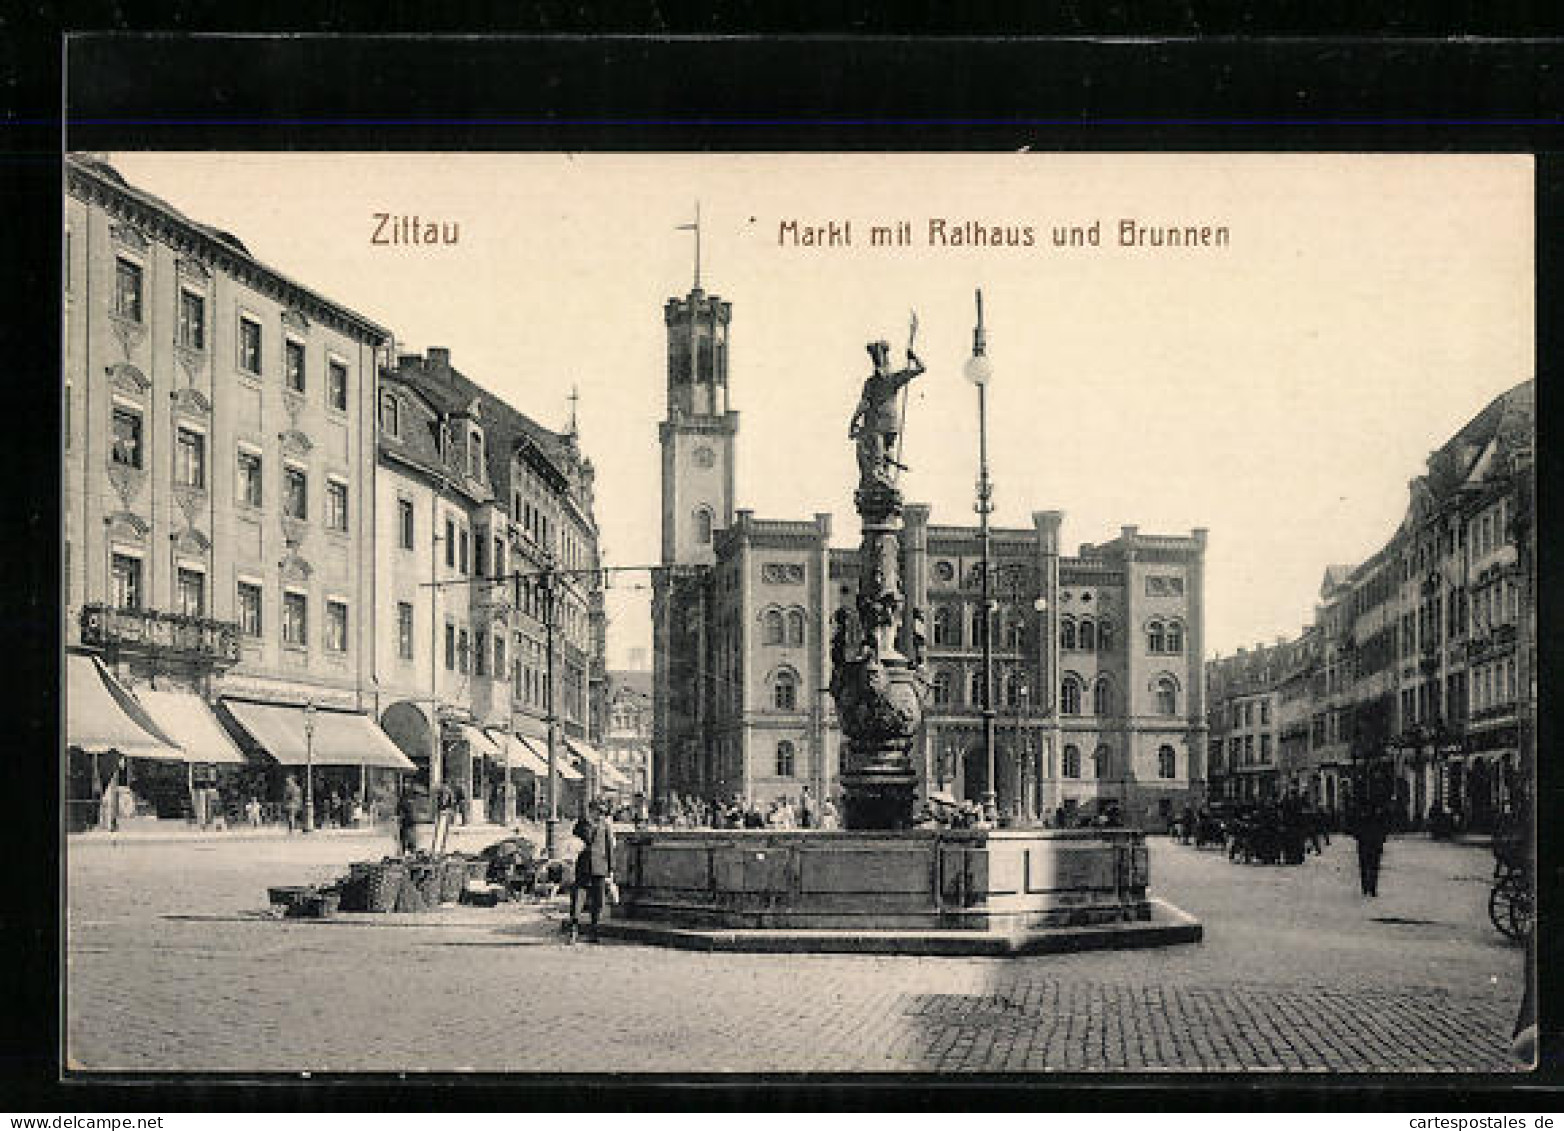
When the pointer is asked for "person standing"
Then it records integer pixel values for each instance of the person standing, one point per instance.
(1370, 827)
(292, 802)
(406, 823)
(594, 868)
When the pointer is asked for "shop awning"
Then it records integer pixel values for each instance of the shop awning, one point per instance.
(190, 721)
(481, 744)
(341, 738)
(517, 755)
(608, 774)
(539, 747)
(100, 715)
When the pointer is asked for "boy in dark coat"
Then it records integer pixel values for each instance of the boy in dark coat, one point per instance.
(594, 866)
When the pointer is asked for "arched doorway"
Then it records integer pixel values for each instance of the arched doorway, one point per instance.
(974, 774)
(407, 724)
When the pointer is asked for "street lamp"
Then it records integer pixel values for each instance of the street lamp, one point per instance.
(980, 370)
(309, 767)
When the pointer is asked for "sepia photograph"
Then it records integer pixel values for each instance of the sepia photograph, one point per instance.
(536, 613)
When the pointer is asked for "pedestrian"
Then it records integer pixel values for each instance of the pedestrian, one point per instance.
(406, 823)
(594, 868)
(252, 812)
(292, 803)
(1369, 827)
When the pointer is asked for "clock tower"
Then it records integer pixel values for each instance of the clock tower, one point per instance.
(697, 437)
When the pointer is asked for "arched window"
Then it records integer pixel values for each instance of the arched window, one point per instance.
(946, 629)
(1015, 636)
(703, 527)
(785, 759)
(1104, 635)
(1167, 696)
(1167, 763)
(773, 629)
(1072, 762)
(784, 691)
(795, 626)
(1174, 641)
(975, 689)
(390, 415)
(1070, 696)
(1102, 762)
(1102, 698)
(1088, 637)
(1067, 634)
(1154, 638)
(942, 689)
(1015, 689)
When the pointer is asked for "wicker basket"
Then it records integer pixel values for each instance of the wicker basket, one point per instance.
(408, 895)
(315, 905)
(385, 884)
(477, 869)
(429, 878)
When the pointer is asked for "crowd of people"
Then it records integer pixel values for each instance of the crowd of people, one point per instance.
(804, 812)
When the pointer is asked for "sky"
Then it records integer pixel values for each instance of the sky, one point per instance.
(1280, 390)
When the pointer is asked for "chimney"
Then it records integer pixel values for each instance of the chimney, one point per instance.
(441, 356)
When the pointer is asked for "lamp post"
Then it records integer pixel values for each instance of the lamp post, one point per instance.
(1022, 750)
(980, 370)
(309, 767)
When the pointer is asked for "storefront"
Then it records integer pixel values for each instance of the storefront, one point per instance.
(107, 734)
(215, 784)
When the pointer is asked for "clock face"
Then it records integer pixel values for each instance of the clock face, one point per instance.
(945, 571)
(704, 457)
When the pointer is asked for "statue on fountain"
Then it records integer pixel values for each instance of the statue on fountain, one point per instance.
(879, 690)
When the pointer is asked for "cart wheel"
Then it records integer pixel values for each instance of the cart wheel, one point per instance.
(1522, 910)
(1501, 907)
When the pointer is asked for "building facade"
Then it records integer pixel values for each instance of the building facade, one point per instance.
(627, 739)
(1098, 687)
(1417, 677)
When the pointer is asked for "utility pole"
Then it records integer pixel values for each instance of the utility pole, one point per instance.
(551, 824)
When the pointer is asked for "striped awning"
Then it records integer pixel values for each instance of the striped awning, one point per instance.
(190, 721)
(539, 747)
(335, 738)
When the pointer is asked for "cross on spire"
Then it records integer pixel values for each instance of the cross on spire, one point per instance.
(574, 397)
(696, 228)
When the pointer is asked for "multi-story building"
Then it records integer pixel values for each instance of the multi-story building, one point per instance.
(1416, 677)
(1098, 689)
(627, 740)
(1244, 701)
(487, 514)
(218, 477)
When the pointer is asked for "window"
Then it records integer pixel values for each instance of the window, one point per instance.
(1015, 689)
(1067, 634)
(943, 634)
(499, 655)
(127, 437)
(189, 458)
(192, 592)
(1174, 642)
(1088, 636)
(1070, 696)
(295, 493)
(461, 549)
(480, 554)
(336, 505)
(1248, 749)
(1104, 635)
(295, 619)
(499, 556)
(404, 630)
(404, 523)
(480, 653)
(249, 608)
(337, 385)
(1167, 696)
(1265, 748)
(1265, 711)
(475, 455)
(192, 320)
(1249, 713)
(1154, 637)
(336, 626)
(1015, 636)
(1102, 762)
(450, 544)
(126, 576)
(463, 651)
(127, 289)
(1102, 698)
(785, 759)
(772, 631)
(390, 416)
(249, 345)
(450, 646)
(976, 691)
(293, 365)
(1167, 763)
(703, 527)
(942, 689)
(1072, 762)
(784, 691)
(795, 627)
(250, 478)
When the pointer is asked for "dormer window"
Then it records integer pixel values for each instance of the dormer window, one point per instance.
(390, 416)
(475, 454)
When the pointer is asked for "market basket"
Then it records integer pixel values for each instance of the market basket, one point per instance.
(428, 877)
(385, 884)
(453, 877)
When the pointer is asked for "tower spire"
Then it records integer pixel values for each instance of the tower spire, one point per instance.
(575, 396)
(696, 228)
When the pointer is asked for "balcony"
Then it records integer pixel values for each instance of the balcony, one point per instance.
(153, 632)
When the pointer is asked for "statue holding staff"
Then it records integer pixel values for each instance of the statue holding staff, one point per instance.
(876, 422)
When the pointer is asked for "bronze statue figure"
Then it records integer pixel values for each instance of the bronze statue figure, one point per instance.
(876, 422)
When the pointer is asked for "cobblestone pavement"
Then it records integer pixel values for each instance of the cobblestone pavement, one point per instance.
(172, 966)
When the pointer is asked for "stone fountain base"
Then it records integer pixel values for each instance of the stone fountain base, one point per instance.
(997, 892)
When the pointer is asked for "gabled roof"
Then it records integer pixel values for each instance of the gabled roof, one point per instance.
(1509, 416)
